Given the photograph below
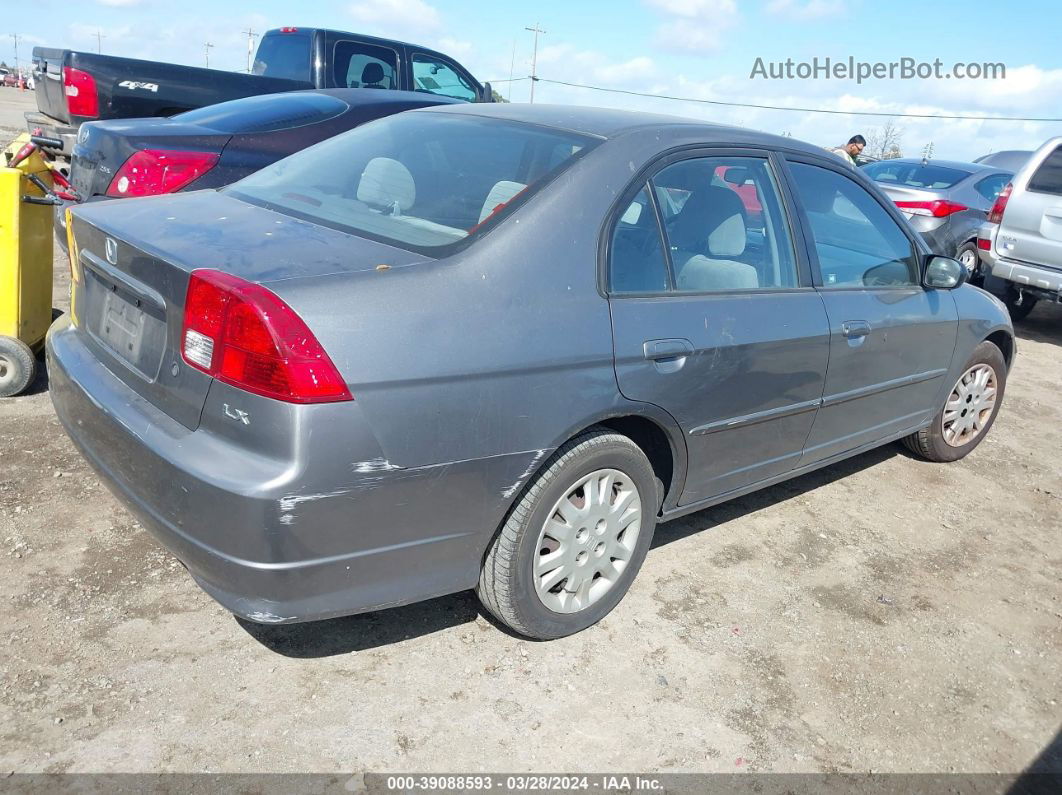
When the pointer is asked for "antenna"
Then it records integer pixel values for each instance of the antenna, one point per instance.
(251, 36)
(534, 60)
(206, 48)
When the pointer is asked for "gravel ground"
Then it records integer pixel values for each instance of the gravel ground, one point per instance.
(883, 614)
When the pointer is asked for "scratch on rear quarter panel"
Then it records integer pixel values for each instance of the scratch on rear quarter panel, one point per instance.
(509, 492)
(289, 503)
(373, 465)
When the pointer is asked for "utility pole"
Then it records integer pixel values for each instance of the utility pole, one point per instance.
(99, 37)
(534, 60)
(207, 47)
(16, 37)
(251, 36)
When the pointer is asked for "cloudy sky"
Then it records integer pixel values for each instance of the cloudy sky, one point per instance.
(698, 49)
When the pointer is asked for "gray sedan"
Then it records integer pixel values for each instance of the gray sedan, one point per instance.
(945, 200)
(492, 346)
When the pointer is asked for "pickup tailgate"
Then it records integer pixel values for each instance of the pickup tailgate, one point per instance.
(48, 79)
(135, 258)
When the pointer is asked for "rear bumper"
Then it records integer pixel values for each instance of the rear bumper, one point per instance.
(1041, 281)
(254, 533)
(53, 128)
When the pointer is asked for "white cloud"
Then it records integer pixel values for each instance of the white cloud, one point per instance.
(696, 26)
(808, 9)
(396, 15)
(119, 3)
(594, 67)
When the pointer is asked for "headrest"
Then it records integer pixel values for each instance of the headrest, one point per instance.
(502, 192)
(372, 73)
(711, 220)
(387, 183)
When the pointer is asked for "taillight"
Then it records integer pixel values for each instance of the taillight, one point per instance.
(243, 334)
(984, 244)
(941, 208)
(80, 90)
(149, 172)
(995, 215)
(289, 29)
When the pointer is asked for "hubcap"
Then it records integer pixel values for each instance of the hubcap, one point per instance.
(587, 541)
(6, 370)
(969, 406)
(968, 259)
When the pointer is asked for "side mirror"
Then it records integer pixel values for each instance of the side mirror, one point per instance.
(487, 94)
(944, 273)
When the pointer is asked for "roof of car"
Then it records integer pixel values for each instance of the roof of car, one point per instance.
(610, 122)
(377, 96)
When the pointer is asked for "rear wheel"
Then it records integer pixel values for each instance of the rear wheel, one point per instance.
(969, 410)
(1018, 304)
(18, 366)
(968, 256)
(574, 541)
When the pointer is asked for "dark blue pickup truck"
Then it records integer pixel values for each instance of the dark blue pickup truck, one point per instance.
(74, 87)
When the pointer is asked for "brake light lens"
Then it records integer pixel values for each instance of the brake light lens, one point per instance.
(150, 172)
(243, 334)
(941, 208)
(995, 215)
(80, 90)
(289, 29)
(984, 244)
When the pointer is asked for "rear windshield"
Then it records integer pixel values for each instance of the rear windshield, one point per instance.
(284, 55)
(266, 113)
(425, 181)
(1048, 177)
(914, 175)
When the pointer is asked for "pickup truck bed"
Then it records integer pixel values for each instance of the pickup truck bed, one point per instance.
(74, 87)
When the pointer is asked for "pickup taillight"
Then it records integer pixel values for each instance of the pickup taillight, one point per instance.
(80, 90)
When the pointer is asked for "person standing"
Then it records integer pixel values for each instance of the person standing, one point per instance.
(856, 144)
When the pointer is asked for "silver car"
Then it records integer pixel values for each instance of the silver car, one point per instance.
(491, 347)
(946, 201)
(1021, 242)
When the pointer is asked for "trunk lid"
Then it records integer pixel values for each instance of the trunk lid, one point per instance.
(1031, 229)
(103, 146)
(136, 256)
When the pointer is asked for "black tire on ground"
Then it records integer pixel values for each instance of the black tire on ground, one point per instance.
(18, 366)
(1018, 312)
(506, 584)
(929, 442)
(970, 247)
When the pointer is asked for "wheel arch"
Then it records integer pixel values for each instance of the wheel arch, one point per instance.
(1003, 340)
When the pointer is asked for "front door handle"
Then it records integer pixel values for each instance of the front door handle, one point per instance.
(655, 350)
(853, 329)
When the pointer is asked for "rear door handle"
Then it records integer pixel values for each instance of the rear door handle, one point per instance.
(667, 356)
(853, 329)
(655, 350)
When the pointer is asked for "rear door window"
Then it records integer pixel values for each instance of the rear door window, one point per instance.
(1048, 177)
(438, 76)
(857, 242)
(359, 65)
(285, 55)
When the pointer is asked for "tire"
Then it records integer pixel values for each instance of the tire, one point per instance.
(1018, 312)
(933, 443)
(548, 605)
(969, 250)
(18, 366)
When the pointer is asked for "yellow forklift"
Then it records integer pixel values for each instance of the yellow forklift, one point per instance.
(27, 200)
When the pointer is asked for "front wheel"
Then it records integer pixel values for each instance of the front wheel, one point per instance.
(574, 541)
(969, 410)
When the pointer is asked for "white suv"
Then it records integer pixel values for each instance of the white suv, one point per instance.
(1021, 243)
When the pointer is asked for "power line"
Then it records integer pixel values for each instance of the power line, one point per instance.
(536, 79)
